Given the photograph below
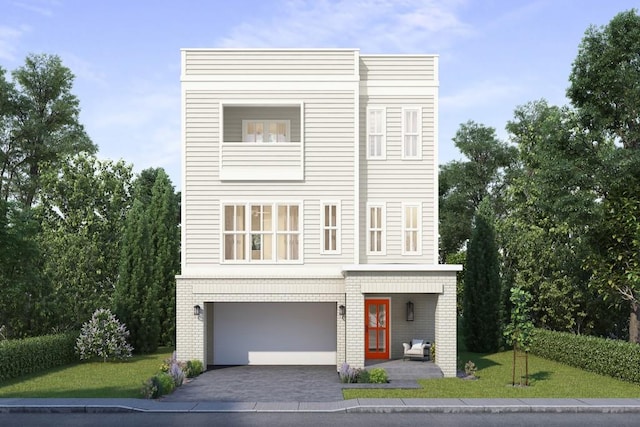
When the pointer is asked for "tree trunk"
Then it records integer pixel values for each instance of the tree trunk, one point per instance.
(634, 322)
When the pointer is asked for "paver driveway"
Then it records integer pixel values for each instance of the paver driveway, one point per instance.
(262, 384)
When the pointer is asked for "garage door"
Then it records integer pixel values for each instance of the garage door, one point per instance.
(274, 333)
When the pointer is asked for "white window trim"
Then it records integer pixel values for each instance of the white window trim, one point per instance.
(338, 228)
(418, 155)
(265, 124)
(418, 250)
(383, 148)
(274, 232)
(383, 235)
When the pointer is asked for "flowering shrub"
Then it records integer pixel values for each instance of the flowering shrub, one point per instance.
(103, 336)
(348, 374)
(172, 371)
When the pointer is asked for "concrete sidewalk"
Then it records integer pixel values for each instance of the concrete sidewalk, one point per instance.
(20, 405)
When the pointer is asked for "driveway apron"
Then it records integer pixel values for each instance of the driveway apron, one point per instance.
(262, 384)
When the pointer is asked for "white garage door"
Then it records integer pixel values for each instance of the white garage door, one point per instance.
(274, 333)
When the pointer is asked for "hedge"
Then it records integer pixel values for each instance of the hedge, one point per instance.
(28, 355)
(614, 358)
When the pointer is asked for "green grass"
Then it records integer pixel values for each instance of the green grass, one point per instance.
(546, 378)
(88, 379)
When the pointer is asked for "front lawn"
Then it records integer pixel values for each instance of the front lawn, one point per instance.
(547, 379)
(88, 379)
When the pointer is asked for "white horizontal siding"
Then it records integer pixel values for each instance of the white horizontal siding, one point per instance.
(395, 180)
(398, 68)
(212, 62)
(328, 169)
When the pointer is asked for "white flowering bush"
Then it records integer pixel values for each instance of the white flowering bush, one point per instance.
(103, 336)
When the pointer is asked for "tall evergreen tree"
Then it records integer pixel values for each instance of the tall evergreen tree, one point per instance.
(136, 299)
(481, 303)
(165, 248)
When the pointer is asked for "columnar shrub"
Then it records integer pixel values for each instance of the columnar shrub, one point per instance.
(103, 336)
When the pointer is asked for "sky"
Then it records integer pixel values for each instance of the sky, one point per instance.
(125, 54)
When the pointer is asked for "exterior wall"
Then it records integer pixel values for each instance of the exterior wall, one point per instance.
(329, 172)
(435, 313)
(227, 64)
(394, 82)
(192, 340)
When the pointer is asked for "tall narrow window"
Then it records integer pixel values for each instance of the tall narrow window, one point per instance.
(376, 124)
(411, 133)
(411, 229)
(234, 233)
(261, 232)
(376, 229)
(330, 228)
(288, 233)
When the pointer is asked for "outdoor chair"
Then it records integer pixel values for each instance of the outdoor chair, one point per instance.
(416, 349)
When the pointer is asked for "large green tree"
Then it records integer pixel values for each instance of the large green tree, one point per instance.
(24, 292)
(44, 126)
(136, 298)
(463, 184)
(83, 209)
(481, 317)
(605, 88)
(165, 247)
(553, 204)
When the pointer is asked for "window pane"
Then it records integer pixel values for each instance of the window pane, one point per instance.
(239, 242)
(282, 218)
(327, 215)
(239, 218)
(229, 249)
(327, 240)
(256, 217)
(293, 218)
(267, 246)
(228, 218)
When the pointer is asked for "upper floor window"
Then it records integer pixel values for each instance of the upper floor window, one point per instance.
(411, 138)
(376, 229)
(261, 232)
(330, 228)
(411, 235)
(376, 127)
(266, 130)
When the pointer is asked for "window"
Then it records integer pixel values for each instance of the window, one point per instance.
(330, 229)
(261, 232)
(288, 233)
(376, 229)
(411, 140)
(411, 229)
(266, 130)
(376, 133)
(234, 234)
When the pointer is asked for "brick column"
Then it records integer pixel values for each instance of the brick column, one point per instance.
(446, 326)
(355, 321)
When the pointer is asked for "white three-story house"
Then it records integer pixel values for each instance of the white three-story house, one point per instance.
(310, 208)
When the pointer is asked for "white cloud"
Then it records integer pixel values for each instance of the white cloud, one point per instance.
(373, 26)
(9, 38)
(41, 7)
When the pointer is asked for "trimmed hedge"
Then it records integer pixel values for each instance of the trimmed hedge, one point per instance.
(28, 355)
(614, 358)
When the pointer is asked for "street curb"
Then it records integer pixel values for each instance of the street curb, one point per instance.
(356, 406)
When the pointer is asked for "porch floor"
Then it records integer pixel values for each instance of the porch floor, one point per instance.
(403, 370)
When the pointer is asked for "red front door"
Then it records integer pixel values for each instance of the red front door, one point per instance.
(376, 327)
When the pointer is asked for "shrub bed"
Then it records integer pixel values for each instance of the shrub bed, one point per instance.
(614, 358)
(28, 355)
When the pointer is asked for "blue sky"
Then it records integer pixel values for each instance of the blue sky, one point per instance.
(494, 54)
